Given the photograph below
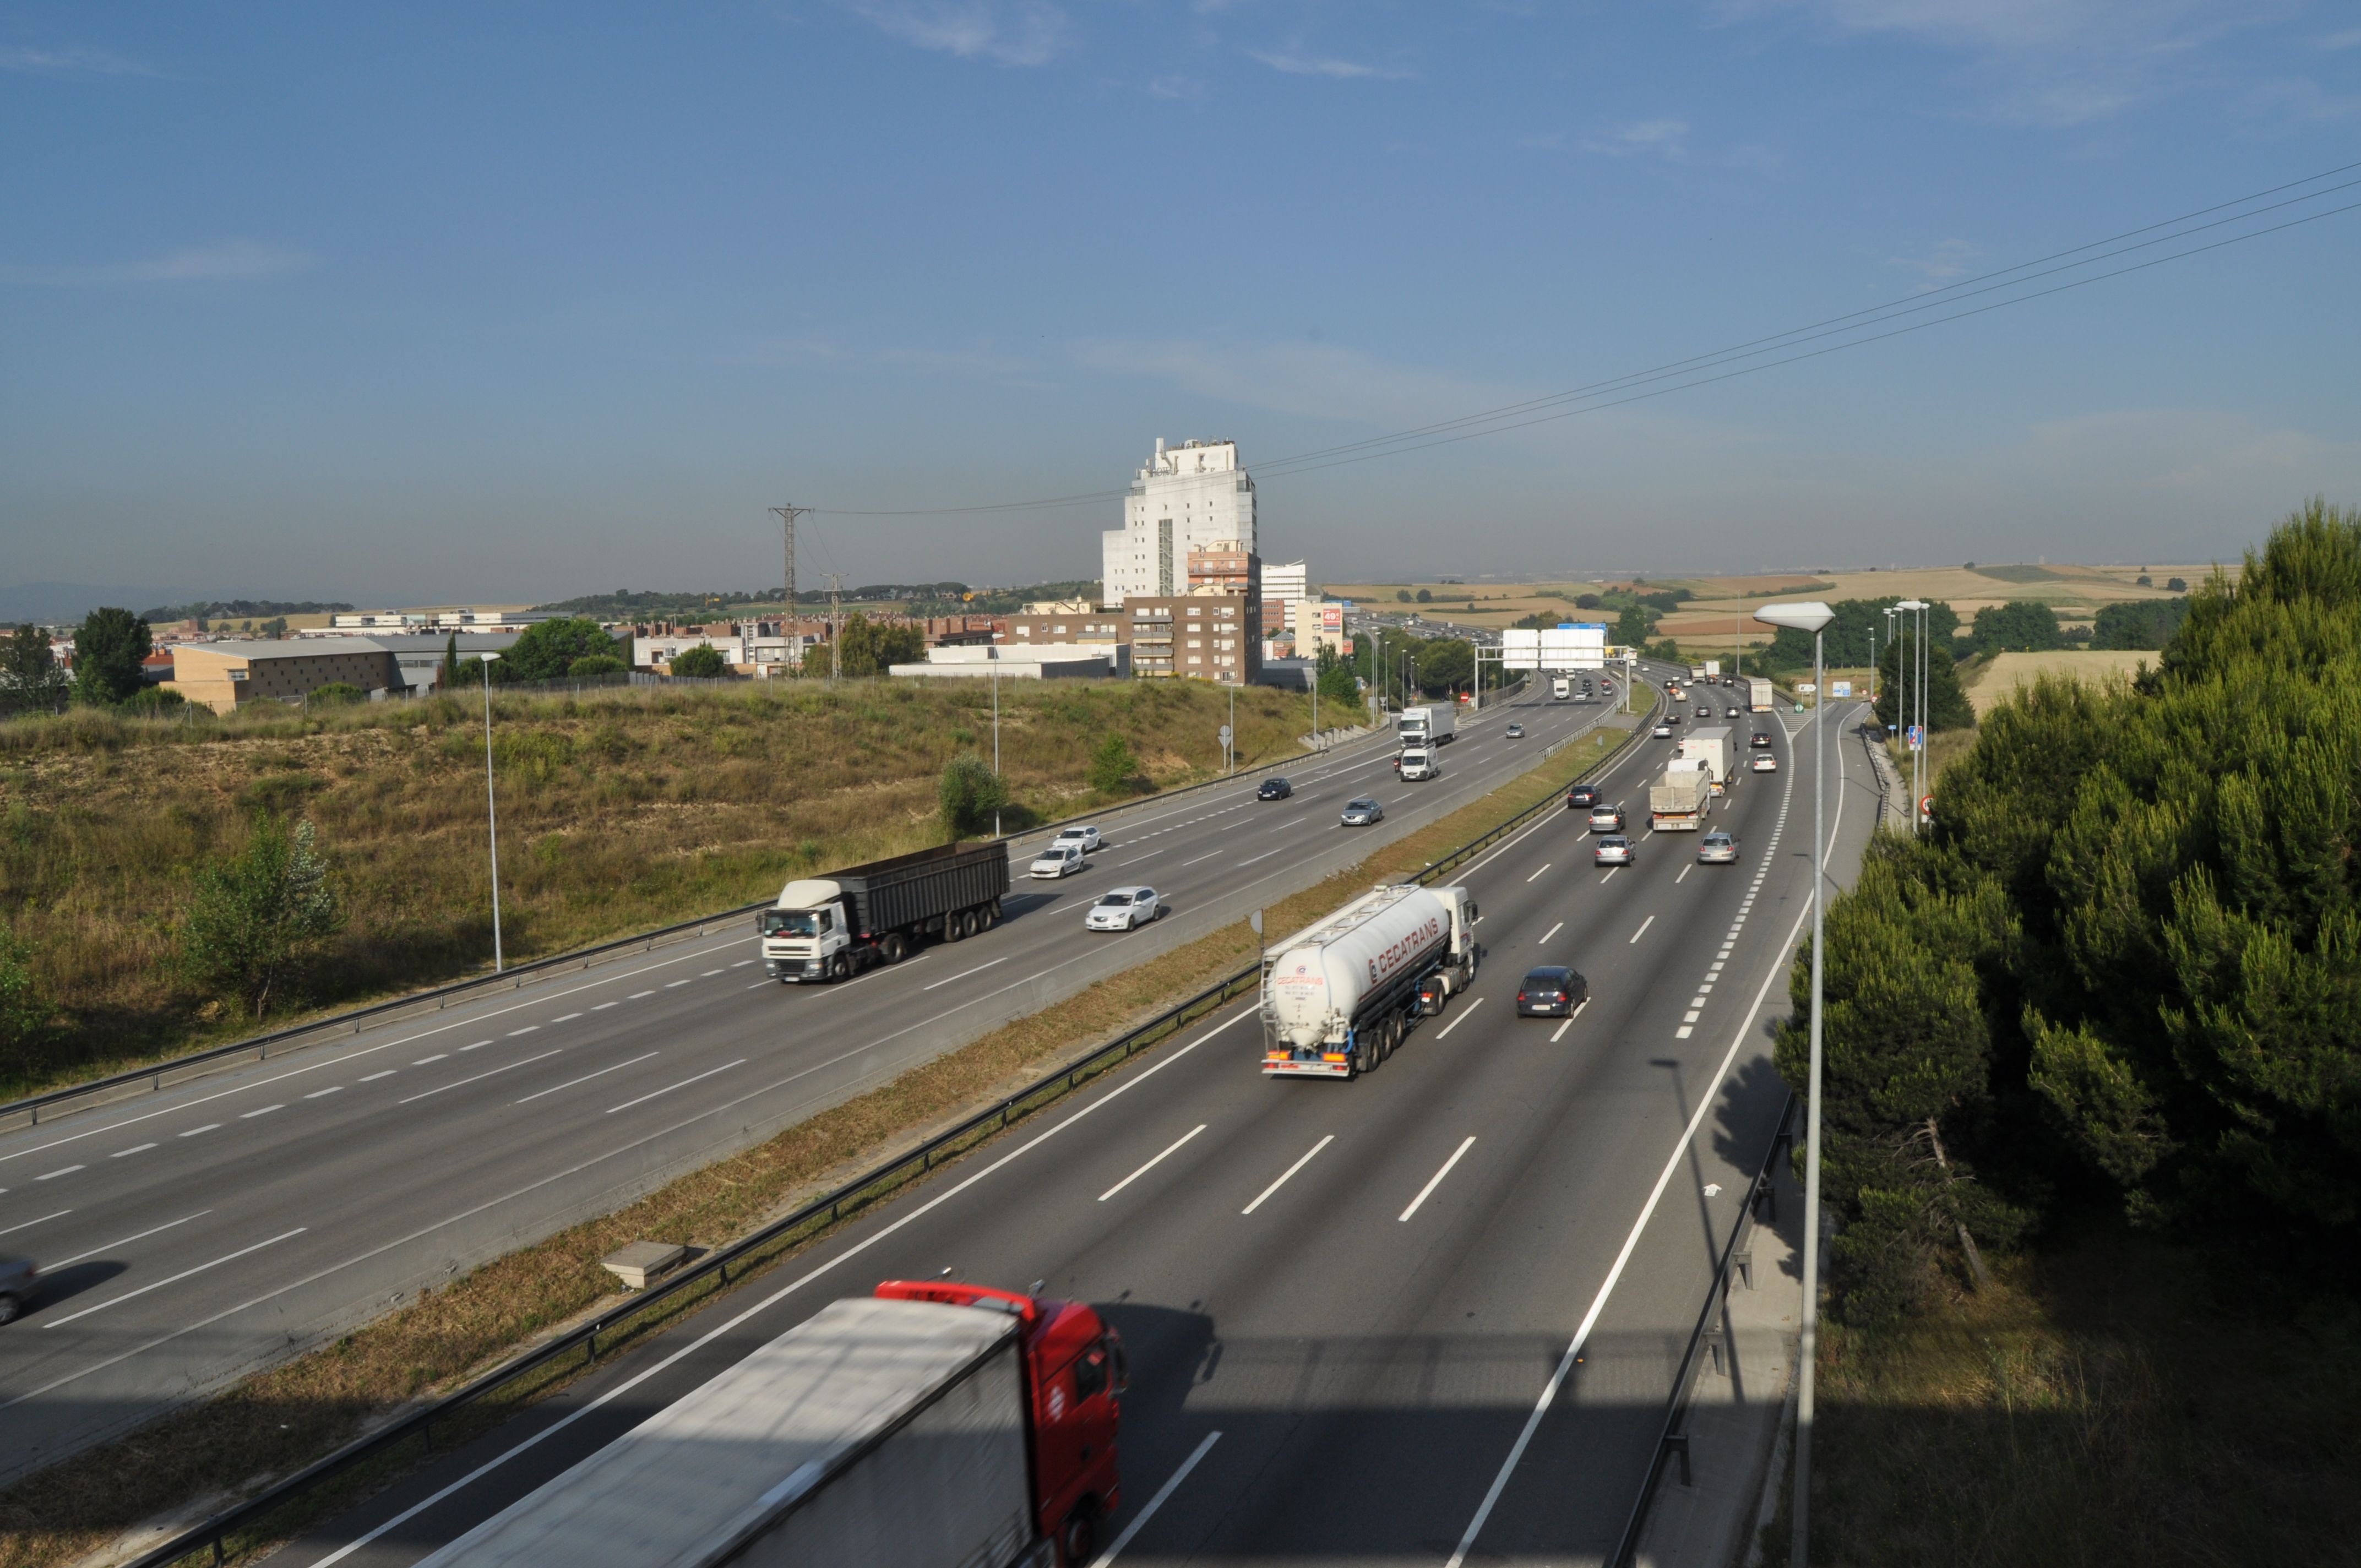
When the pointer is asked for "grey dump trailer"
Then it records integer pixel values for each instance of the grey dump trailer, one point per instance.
(829, 927)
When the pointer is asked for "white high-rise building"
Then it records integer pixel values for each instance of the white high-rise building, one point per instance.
(1193, 495)
(1285, 585)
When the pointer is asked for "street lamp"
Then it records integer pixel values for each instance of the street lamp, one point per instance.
(491, 809)
(1919, 706)
(1812, 617)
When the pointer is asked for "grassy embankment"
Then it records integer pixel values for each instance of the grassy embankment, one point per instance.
(619, 811)
(276, 1421)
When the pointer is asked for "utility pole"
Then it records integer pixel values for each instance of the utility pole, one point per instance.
(835, 603)
(787, 514)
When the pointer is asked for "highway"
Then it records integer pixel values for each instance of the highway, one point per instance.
(197, 1234)
(1429, 1316)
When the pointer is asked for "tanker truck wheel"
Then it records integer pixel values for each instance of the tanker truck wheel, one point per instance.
(1078, 1538)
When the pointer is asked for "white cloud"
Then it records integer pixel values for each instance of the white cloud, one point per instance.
(1941, 262)
(1340, 69)
(2349, 38)
(236, 260)
(1012, 32)
(1660, 138)
(70, 63)
(1186, 89)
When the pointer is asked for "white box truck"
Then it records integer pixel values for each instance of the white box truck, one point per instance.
(934, 1425)
(1560, 687)
(1678, 800)
(1337, 997)
(1759, 696)
(1418, 763)
(1712, 748)
(1431, 725)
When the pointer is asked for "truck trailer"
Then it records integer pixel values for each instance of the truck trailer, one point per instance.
(1560, 688)
(1338, 996)
(1678, 800)
(830, 927)
(1712, 748)
(932, 1425)
(1759, 696)
(1427, 726)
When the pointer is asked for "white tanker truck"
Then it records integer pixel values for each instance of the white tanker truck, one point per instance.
(1338, 996)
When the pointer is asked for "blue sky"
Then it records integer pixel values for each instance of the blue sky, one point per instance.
(519, 300)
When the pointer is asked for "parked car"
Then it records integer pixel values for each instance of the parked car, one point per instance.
(1124, 909)
(1581, 796)
(1765, 762)
(18, 1279)
(1274, 789)
(1360, 813)
(1056, 859)
(1718, 849)
(1762, 741)
(1614, 850)
(1516, 731)
(1605, 818)
(1552, 991)
(1087, 837)
(1663, 731)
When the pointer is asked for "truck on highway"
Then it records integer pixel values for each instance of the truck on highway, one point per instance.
(1715, 749)
(1759, 696)
(825, 929)
(1418, 763)
(1697, 671)
(1713, 669)
(1560, 687)
(1431, 725)
(932, 1425)
(1338, 996)
(1678, 800)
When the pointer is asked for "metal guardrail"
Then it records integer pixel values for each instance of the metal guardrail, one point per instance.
(1671, 1443)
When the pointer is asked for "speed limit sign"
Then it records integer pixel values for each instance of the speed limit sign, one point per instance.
(1927, 806)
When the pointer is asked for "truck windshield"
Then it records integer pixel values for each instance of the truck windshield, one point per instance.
(790, 923)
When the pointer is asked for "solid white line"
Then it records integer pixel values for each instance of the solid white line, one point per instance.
(1152, 1164)
(1187, 864)
(683, 1083)
(136, 1148)
(1642, 931)
(1436, 1179)
(964, 973)
(457, 1083)
(1545, 865)
(175, 1280)
(208, 1127)
(586, 1077)
(734, 1323)
(68, 1171)
(1290, 1170)
(28, 1225)
(1113, 1551)
(126, 1241)
(1466, 1013)
(1552, 930)
(1264, 856)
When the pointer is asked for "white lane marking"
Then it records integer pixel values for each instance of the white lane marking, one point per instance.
(637, 994)
(1436, 1179)
(1715, 968)
(1290, 1171)
(136, 1148)
(569, 1017)
(324, 1094)
(126, 1241)
(478, 1045)
(1135, 859)
(175, 1280)
(587, 1076)
(68, 1171)
(439, 1056)
(1552, 930)
(1466, 1014)
(1631, 1243)
(683, 1083)
(604, 1005)
(729, 1326)
(758, 985)
(1610, 876)
(1690, 1016)
(1187, 864)
(529, 1028)
(1545, 865)
(28, 1225)
(208, 1127)
(708, 975)
(1684, 872)
(964, 973)
(1152, 1164)
(670, 983)
(1560, 1033)
(1264, 856)
(478, 1078)
(1642, 931)
(741, 964)
(1105, 1558)
(372, 1078)
(1685, 1031)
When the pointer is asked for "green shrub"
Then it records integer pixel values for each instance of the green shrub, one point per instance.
(1114, 766)
(968, 793)
(700, 663)
(336, 693)
(597, 664)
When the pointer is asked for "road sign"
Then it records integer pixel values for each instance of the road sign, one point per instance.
(1841, 689)
(1926, 806)
(1918, 737)
(1226, 734)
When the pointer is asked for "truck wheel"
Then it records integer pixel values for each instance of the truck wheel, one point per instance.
(894, 949)
(955, 925)
(1078, 1538)
(841, 967)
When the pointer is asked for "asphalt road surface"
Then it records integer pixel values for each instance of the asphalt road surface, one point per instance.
(1429, 1316)
(197, 1234)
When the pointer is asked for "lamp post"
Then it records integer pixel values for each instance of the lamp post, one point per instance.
(492, 810)
(1919, 706)
(995, 651)
(1812, 617)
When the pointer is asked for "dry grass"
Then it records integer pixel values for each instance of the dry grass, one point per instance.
(275, 1423)
(2002, 674)
(2111, 1401)
(620, 810)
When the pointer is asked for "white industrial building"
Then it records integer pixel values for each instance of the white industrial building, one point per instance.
(1191, 497)
(1048, 661)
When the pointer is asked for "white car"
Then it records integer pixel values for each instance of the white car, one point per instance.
(1059, 858)
(1663, 731)
(1088, 838)
(1124, 909)
(1765, 762)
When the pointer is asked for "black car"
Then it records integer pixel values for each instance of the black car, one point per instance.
(1582, 797)
(1274, 789)
(1552, 991)
(1761, 739)
(19, 1280)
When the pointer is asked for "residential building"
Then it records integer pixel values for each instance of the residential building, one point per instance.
(1208, 634)
(456, 618)
(1192, 497)
(225, 676)
(1059, 607)
(1089, 624)
(1319, 625)
(1052, 661)
(1284, 584)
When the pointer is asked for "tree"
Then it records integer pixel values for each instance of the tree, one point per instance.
(1425, 597)
(866, 648)
(107, 652)
(1586, 601)
(23, 1011)
(30, 676)
(547, 650)
(1113, 765)
(1947, 706)
(2020, 626)
(1446, 665)
(1401, 596)
(259, 916)
(2138, 623)
(967, 794)
(1336, 681)
(2176, 584)
(449, 676)
(1632, 627)
(597, 664)
(703, 662)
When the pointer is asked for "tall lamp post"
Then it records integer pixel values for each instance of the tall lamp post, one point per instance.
(492, 809)
(1917, 706)
(1812, 617)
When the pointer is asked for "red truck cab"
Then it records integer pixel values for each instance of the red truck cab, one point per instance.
(1074, 1371)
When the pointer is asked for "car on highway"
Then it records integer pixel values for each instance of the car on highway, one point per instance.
(1731, 713)
(1614, 850)
(18, 1279)
(1361, 812)
(1605, 818)
(1550, 991)
(1124, 909)
(1663, 731)
(1581, 796)
(1056, 859)
(1516, 731)
(1764, 763)
(1718, 849)
(1762, 741)
(1087, 837)
(1274, 789)
(1704, 712)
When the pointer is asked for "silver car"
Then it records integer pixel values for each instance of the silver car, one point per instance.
(1362, 812)
(1718, 849)
(1614, 850)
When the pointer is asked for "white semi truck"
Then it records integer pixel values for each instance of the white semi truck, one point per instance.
(1560, 687)
(1338, 996)
(1759, 696)
(1713, 748)
(1678, 800)
(1428, 726)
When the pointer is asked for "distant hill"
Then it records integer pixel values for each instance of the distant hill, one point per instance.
(53, 604)
(919, 599)
(239, 610)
